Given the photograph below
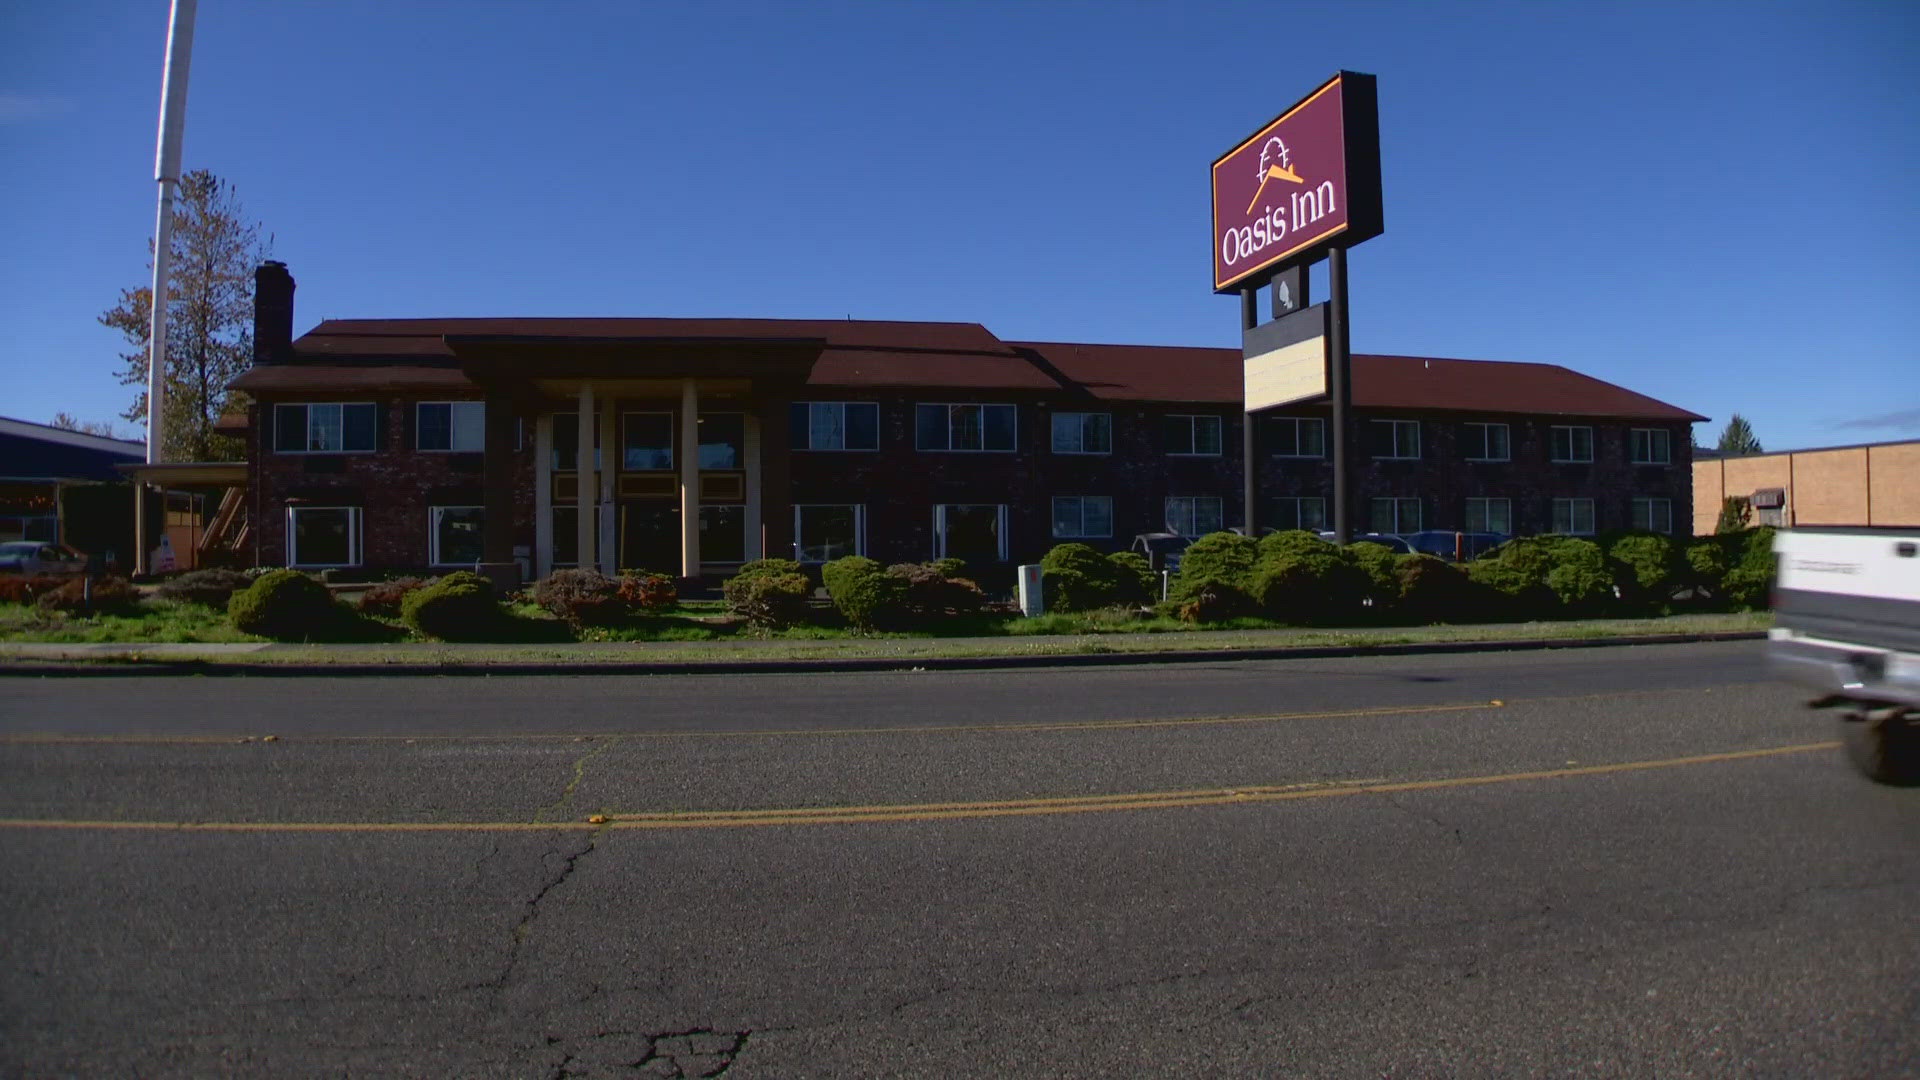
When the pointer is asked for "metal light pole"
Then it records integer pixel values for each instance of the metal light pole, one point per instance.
(166, 169)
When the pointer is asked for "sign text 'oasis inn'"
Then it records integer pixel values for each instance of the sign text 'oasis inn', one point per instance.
(1307, 182)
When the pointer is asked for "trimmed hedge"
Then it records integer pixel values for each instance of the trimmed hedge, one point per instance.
(385, 598)
(212, 587)
(1647, 567)
(864, 592)
(933, 593)
(1076, 577)
(645, 592)
(581, 597)
(1216, 562)
(287, 605)
(457, 607)
(769, 598)
(1431, 590)
(1136, 564)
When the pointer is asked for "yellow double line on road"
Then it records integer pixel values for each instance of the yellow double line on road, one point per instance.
(950, 811)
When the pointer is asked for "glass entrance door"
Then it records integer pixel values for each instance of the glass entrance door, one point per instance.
(650, 536)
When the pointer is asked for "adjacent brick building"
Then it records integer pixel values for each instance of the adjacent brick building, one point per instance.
(1870, 484)
(412, 443)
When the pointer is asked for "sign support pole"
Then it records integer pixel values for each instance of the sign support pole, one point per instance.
(1249, 318)
(1340, 361)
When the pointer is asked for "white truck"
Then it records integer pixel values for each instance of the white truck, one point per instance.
(1847, 624)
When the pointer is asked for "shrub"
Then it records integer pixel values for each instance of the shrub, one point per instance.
(768, 598)
(1215, 601)
(1292, 542)
(950, 567)
(1135, 567)
(458, 607)
(931, 593)
(1578, 575)
(1647, 568)
(1376, 566)
(386, 597)
(1221, 558)
(79, 596)
(1310, 587)
(212, 588)
(1733, 515)
(770, 566)
(24, 590)
(1746, 588)
(581, 597)
(647, 592)
(1075, 577)
(1435, 590)
(864, 592)
(287, 605)
(1706, 560)
(1750, 569)
(1545, 576)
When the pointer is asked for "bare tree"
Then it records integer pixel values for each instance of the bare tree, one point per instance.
(67, 422)
(209, 319)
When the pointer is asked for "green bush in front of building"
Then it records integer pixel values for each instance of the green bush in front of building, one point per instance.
(769, 598)
(458, 607)
(1310, 587)
(863, 592)
(1218, 564)
(581, 597)
(1077, 577)
(211, 587)
(1647, 567)
(1136, 564)
(1432, 590)
(287, 605)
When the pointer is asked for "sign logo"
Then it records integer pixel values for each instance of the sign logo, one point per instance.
(1304, 183)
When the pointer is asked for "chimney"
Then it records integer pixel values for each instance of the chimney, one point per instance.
(272, 313)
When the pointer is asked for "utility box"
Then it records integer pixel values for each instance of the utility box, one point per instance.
(1032, 602)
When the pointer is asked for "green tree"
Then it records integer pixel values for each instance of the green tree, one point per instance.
(209, 319)
(1738, 437)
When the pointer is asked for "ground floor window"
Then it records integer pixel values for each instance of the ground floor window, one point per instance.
(1573, 517)
(723, 534)
(1306, 512)
(1194, 515)
(973, 532)
(1396, 515)
(456, 535)
(323, 536)
(566, 535)
(1082, 516)
(1653, 515)
(45, 528)
(1490, 516)
(825, 533)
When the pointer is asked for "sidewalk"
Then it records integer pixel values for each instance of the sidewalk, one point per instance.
(746, 656)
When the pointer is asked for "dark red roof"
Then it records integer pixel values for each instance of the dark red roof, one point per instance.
(954, 355)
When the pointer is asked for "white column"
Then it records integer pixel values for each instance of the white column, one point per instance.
(689, 479)
(140, 537)
(610, 452)
(750, 455)
(543, 496)
(585, 533)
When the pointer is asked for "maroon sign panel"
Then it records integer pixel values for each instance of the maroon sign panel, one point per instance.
(1307, 182)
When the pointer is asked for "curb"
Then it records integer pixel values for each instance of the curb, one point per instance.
(115, 667)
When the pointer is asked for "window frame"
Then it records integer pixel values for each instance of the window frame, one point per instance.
(306, 425)
(1053, 441)
(433, 534)
(1054, 518)
(807, 431)
(1665, 439)
(1573, 505)
(356, 549)
(1166, 516)
(1297, 422)
(673, 442)
(940, 528)
(1013, 442)
(1553, 447)
(1299, 501)
(1651, 501)
(1193, 434)
(1487, 501)
(1419, 514)
(1485, 430)
(1398, 426)
(859, 530)
(452, 427)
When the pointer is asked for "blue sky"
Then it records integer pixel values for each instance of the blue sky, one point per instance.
(1714, 204)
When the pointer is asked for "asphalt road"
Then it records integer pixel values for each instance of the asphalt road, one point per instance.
(1645, 862)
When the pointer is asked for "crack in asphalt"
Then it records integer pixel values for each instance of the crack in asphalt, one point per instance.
(518, 937)
(668, 1055)
(554, 809)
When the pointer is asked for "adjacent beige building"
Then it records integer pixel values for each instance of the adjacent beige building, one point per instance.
(1876, 484)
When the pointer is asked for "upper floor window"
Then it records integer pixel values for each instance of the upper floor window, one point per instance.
(1572, 444)
(646, 441)
(565, 452)
(1488, 442)
(450, 425)
(723, 444)
(344, 428)
(1297, 436)
(1652, 446)
(1082, 433)
(1396, 439)
(1193, 435)
(834, 425)
(964, 427)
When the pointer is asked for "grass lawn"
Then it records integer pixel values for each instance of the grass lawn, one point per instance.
(153, 621)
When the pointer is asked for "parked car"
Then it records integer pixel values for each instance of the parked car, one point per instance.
(1163, 550)
(1457, 546)
(30, 557)
(1397, 544)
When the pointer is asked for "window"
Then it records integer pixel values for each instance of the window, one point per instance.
(1301, 513)
(1083, 433)
(834, 425)
(1573, 517)
(325, 429)
(1652, 446)
(1194, 515)
(456, 535)
(1572, 444)
(646, 441)
(1653, 515)
(1078, 516)
(1396, 439)
(723, 534)
(1297, 436)
(566, 444)
(323, 536)
(1487, 442)
(974, 533)
(1193, 435)
(459, 426)
(1396, 515)
(566, 539)
(723, 443)
(1490, 516)
(964, 427)
(825, 533)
